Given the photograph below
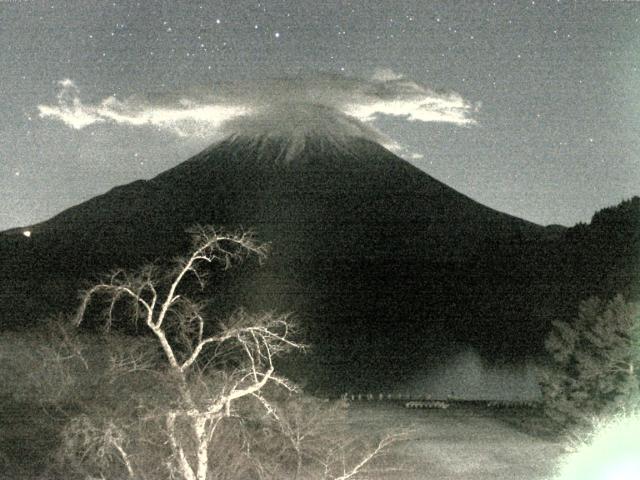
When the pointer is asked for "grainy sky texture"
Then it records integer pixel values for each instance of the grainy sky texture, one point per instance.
(532, 108)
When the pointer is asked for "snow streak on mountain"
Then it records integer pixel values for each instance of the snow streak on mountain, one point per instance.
(292, 126)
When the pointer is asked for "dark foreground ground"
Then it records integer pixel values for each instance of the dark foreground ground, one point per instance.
(459, 443)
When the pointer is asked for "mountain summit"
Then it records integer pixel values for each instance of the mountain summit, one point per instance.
(293, 127)
(384, 265)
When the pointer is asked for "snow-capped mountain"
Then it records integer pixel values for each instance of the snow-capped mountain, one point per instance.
(293, 127)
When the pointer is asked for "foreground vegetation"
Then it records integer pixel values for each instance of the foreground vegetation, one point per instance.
(145, 382)
(457, 443)
(189, 398)
(591, 390)
(594, 369)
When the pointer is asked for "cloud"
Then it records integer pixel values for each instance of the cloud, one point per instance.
(70, 109)
(184, 118)
(385, 75)
(319, 99)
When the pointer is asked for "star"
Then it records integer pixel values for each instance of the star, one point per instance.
(200, 36)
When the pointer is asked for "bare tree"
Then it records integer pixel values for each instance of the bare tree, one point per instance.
(179, 326)
(347, 461)
(323, 446)
(206, 378)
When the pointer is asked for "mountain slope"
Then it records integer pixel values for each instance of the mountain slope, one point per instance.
(244, 181)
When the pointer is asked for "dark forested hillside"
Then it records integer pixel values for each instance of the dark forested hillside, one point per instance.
(383, 264)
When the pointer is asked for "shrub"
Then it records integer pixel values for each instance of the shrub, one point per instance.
(594, 363)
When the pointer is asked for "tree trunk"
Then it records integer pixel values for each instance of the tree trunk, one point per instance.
(200, 430)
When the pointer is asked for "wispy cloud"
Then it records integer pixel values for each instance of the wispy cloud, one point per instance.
(184, 118)
(357, 102)
(70, 109)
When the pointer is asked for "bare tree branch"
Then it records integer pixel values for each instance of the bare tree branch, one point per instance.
(178, 325)
(383, 445)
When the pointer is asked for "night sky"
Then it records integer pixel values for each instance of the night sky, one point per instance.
(531, 108)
